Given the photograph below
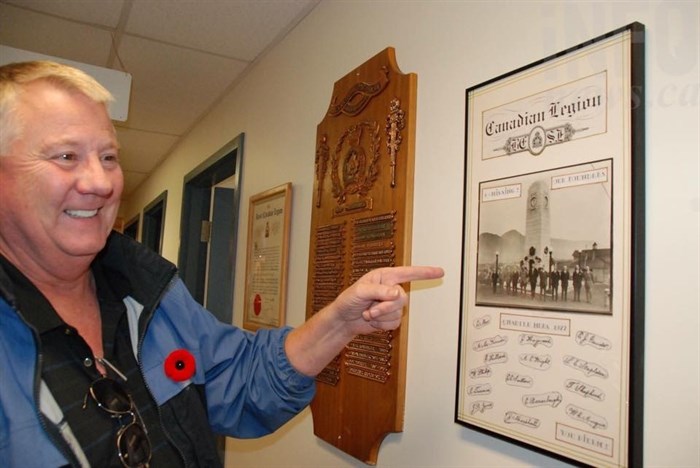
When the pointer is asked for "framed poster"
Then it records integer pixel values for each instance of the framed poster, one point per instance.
(552, 319)
(267, 258)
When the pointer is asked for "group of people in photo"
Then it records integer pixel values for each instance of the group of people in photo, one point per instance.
(539, 281)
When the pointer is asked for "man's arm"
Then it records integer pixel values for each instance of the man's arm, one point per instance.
(374, 302)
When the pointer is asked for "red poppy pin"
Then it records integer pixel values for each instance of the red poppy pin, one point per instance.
(180, 365)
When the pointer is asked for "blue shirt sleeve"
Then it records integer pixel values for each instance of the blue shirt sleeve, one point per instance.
(251, 387)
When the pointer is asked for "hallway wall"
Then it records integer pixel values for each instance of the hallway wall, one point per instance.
(453, 45)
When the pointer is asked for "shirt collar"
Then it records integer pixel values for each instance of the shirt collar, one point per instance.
(29, 301)
(39, 312)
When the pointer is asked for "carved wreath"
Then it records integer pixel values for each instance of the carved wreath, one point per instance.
(353, 169)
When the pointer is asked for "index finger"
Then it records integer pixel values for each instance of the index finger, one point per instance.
(403, 274)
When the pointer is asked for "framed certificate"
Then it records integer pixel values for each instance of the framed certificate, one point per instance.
(551, 323)
(267, 258)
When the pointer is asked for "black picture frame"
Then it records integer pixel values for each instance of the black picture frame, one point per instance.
(556, 149)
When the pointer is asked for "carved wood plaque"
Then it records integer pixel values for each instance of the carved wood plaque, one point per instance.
(361, 220)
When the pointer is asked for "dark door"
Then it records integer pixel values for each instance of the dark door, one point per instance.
(222, 253)
(209, 227)
(153, 221)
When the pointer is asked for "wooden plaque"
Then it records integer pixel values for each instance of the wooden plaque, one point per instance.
(361, 220)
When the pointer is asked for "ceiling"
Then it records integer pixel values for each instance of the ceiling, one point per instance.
(183, 55)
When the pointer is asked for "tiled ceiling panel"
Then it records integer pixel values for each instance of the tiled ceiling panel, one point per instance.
(141, 151)
(253, 24)
(173, 80)
(49, 35)
(93, 12)
(183, 55)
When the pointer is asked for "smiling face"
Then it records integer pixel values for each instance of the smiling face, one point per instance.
(60, 181)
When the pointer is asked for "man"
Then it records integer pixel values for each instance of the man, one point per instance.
(588, 283)
(106, 358)
(543, 284)
(564, 277)
(577, 279)
(555, 283)
(534, 275)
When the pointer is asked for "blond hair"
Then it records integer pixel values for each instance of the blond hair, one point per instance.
(13, 78)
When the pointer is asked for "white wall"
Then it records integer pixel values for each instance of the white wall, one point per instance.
(451, 46)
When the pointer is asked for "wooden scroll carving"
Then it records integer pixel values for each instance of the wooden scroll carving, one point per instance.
(361, 220)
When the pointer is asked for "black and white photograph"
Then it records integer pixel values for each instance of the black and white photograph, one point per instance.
(544, 240)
